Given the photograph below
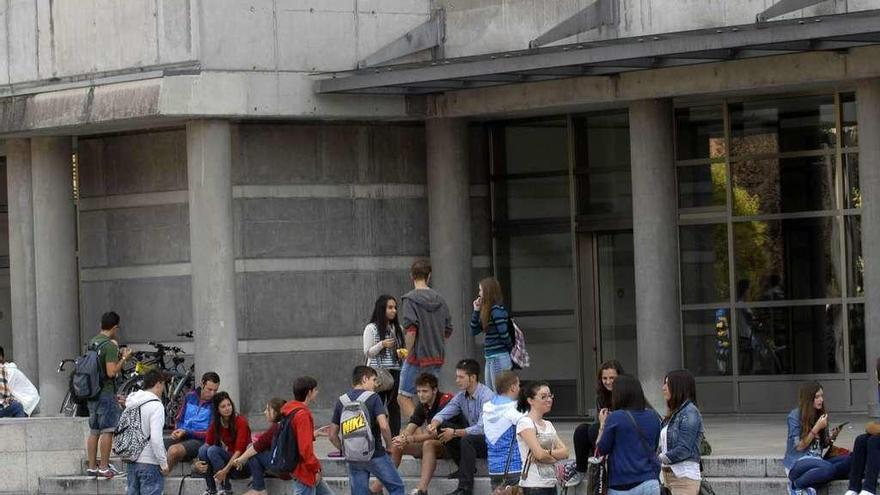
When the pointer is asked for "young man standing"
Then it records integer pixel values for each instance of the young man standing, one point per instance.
(192, 422)
(468, 403)
(499, 425)
(18, 396)
(104, 411)
(425, 319)
(145, 474)
(307, 478)
(363, 380)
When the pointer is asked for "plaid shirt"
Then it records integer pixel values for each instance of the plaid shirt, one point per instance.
(4, 386)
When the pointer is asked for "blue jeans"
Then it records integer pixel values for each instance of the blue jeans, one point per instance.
(257, 466)
(494, 365)
(320, 489)
(145, 479)
(810, 472)
(650, 487)
(380, 467)
(408, 374)
(104, 413)
(865, 463)
(217, 458)
(14, 410)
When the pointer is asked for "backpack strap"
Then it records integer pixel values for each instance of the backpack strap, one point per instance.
(366, 394)
(344, 400)
(139, 415)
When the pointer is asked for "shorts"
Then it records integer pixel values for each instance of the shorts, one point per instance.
(408, 374)
(104, 413)
(190, 445)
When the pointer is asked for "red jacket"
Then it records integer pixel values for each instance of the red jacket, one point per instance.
(233, 445)
(304, 425)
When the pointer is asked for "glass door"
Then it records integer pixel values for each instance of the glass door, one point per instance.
(615, 298)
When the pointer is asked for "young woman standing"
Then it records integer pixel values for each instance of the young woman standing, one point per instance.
(808, 437)
(585, 435)
(538, 443)
(680, 436)
(382, 338)
(490, 316)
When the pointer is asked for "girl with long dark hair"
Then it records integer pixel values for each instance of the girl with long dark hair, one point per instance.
(808, 437)
(228, 437)
(491, 317)
(382, 339)
(681, 434)
(539, 445)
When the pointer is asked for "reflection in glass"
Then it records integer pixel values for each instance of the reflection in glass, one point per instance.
(790, 340)
(702, 185)
(857, 338)
(781, 125)
(535, 147)
(848, 121)
(699, 132)
(605, 191)
(542, 197)
(783, 185)
(604, 184)
(852, 194)
(704, 263)
(540, 271)
(795, 259)
(856, 263)
(707, 346)
(616, 298)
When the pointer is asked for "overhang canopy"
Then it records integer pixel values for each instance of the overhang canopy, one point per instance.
(608, 57)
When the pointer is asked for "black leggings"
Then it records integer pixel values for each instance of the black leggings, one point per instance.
(865, 463)
(585, 444)
(389, 398)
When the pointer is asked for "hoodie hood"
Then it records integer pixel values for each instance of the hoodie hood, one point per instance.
(290, 405)
(137, 398)
(499, 415)
(428, 299)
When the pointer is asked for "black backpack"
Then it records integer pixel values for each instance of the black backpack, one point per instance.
(285, 450)
(87, 378)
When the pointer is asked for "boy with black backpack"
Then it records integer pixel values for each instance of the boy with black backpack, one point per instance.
(139, 437)
(359, 424)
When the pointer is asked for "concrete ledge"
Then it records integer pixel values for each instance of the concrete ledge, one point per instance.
(33, 448)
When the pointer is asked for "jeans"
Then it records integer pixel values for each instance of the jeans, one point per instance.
(585, 436)
(539, 491)
(650, 487)
(810, 472)
(320, 489)
(382, 468)
(465, 454)
(408, 374)
(494, 365)
(104, 413)
(217, 458)
(13, 410)
(145, 479)
(257, 466)
(865, 463)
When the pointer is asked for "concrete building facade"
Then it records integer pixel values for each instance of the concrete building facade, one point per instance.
(259, 172)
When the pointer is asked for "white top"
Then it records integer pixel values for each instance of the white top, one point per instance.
(683, 469)
(152, 422)
(540, 475)
(375, 354)
(21, 388)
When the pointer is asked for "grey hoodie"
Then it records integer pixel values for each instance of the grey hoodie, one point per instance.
(152, 421)
(427, 312)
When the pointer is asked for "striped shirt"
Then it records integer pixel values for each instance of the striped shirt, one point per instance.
(498, 331)
(376, 354)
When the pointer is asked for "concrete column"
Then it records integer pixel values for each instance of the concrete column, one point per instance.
(19, 188)
(209, 169)
(55, 268)
(655, 239)
(868, 101)
(449, 229)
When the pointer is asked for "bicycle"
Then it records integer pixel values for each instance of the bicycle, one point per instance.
(71, 407)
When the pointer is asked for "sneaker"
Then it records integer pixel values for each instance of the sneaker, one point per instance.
(416, 491)
(116, 472)
(803, 491)
(92, 472)
(225, 492)
(567, 475)
(105, 474)
(209, 492)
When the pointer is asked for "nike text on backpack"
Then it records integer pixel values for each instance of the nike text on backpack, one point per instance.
(87, 374)
(284, 455)
(358, 443)
(129, 439)
(519, 355)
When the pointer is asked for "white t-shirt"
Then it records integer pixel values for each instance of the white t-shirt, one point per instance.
(540, 475)
(684, 469)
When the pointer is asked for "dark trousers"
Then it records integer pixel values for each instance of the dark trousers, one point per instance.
(465, 453)
(865, 463)
(813, 472)
(585, 436)
(390, 400)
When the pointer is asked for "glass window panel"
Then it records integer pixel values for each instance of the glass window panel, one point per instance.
(540, 272)
(790, 340)
(707, 345)
(857, 338)
(848, 121)
(699, 132)
(702, 185)
(604, 192)
(788, 259)
(781, 125)
(852, 193)
(604, 185)
(783, 185)
(855, 262)
(704, 263)
(543, 197)
(615, 268)
(536, 147)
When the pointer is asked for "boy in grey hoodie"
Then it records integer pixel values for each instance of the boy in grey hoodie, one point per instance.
(145, 475)
(425, 319)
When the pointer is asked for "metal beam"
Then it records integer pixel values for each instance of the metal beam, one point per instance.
(784, 7)
(598, 13)
(429, 34)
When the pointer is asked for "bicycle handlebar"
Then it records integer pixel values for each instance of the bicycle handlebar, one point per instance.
(187, 335)
(162, 348)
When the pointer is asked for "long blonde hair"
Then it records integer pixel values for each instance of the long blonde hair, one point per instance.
(491, 297)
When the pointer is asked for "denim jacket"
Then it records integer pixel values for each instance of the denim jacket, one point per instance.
(792, 454)
(683, 435)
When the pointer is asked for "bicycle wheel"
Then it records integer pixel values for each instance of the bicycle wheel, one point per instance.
(175, 401)
(133, 384)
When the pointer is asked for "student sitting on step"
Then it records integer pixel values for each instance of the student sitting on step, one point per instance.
(865, 462)
(227, 438)
(259, 453)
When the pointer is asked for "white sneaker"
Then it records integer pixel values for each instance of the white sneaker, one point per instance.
(863, 492)
(850, 492)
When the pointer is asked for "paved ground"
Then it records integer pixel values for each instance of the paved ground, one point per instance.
(758, 434)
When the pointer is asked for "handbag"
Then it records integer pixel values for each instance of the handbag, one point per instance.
(504, 488)
(384, 379)
(597, 475)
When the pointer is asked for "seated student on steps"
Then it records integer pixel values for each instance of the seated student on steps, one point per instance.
(191, 424)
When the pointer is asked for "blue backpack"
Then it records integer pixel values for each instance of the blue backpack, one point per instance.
(285, 450)
(85, 384)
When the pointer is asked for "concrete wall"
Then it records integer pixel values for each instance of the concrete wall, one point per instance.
(5, 299)
(37, 447)
(327, 217)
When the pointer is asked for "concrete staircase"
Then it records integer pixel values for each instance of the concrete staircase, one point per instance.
(729, 475)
